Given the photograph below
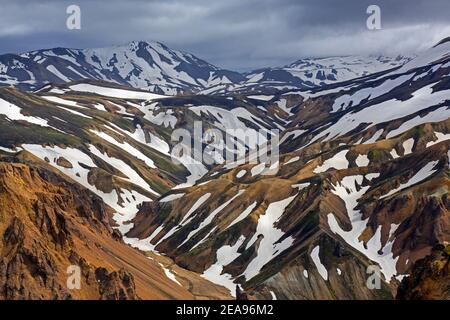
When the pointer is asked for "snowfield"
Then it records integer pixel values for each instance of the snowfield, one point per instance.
(131, 200)
(115, 93)
(386, 111)
(320, 267)
(13, 112)
(224, 256)
(338, 162)
(348, 191)
(269, 246)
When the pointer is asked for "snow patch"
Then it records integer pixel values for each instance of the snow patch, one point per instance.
(241, 173)
(269, 247)
(421, 175)
(440, 137)
(115, 93)
(13, 112)
(350, 191)
(224, 256)
(320, 267)
(338, 162)
(407, 146)
(172, 197)
(244, 214)
(362, 160)
(169, 274)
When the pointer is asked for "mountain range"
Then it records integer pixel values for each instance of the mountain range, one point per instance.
(88, 178)
(153, 66)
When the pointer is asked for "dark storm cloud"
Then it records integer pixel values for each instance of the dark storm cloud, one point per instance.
(236, 34)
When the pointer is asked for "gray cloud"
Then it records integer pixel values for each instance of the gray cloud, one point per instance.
(236, 34)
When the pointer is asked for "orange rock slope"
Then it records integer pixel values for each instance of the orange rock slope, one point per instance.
(48, 223)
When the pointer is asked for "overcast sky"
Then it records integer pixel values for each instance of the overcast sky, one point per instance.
(234, 34)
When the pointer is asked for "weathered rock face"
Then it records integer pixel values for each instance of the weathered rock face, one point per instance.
(115, 285)
(41, 220)
(346, 278)
(49, 223)
(429, 278)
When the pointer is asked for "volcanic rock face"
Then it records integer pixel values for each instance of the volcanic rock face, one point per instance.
(39, 220)
(429, 278)
(49, 223)
(115, 285)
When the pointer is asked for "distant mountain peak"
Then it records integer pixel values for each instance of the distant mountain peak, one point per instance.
(153, 66)
(140, 64)
(445, 40)
(316, 72)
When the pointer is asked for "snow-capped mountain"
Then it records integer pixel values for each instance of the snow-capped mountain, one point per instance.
(322, 71)
(312, 72)
(146, 65)
(153, 66)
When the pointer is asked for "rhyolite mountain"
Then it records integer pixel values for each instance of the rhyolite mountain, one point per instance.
(77, 161)
(363, 181)
(157, 68)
